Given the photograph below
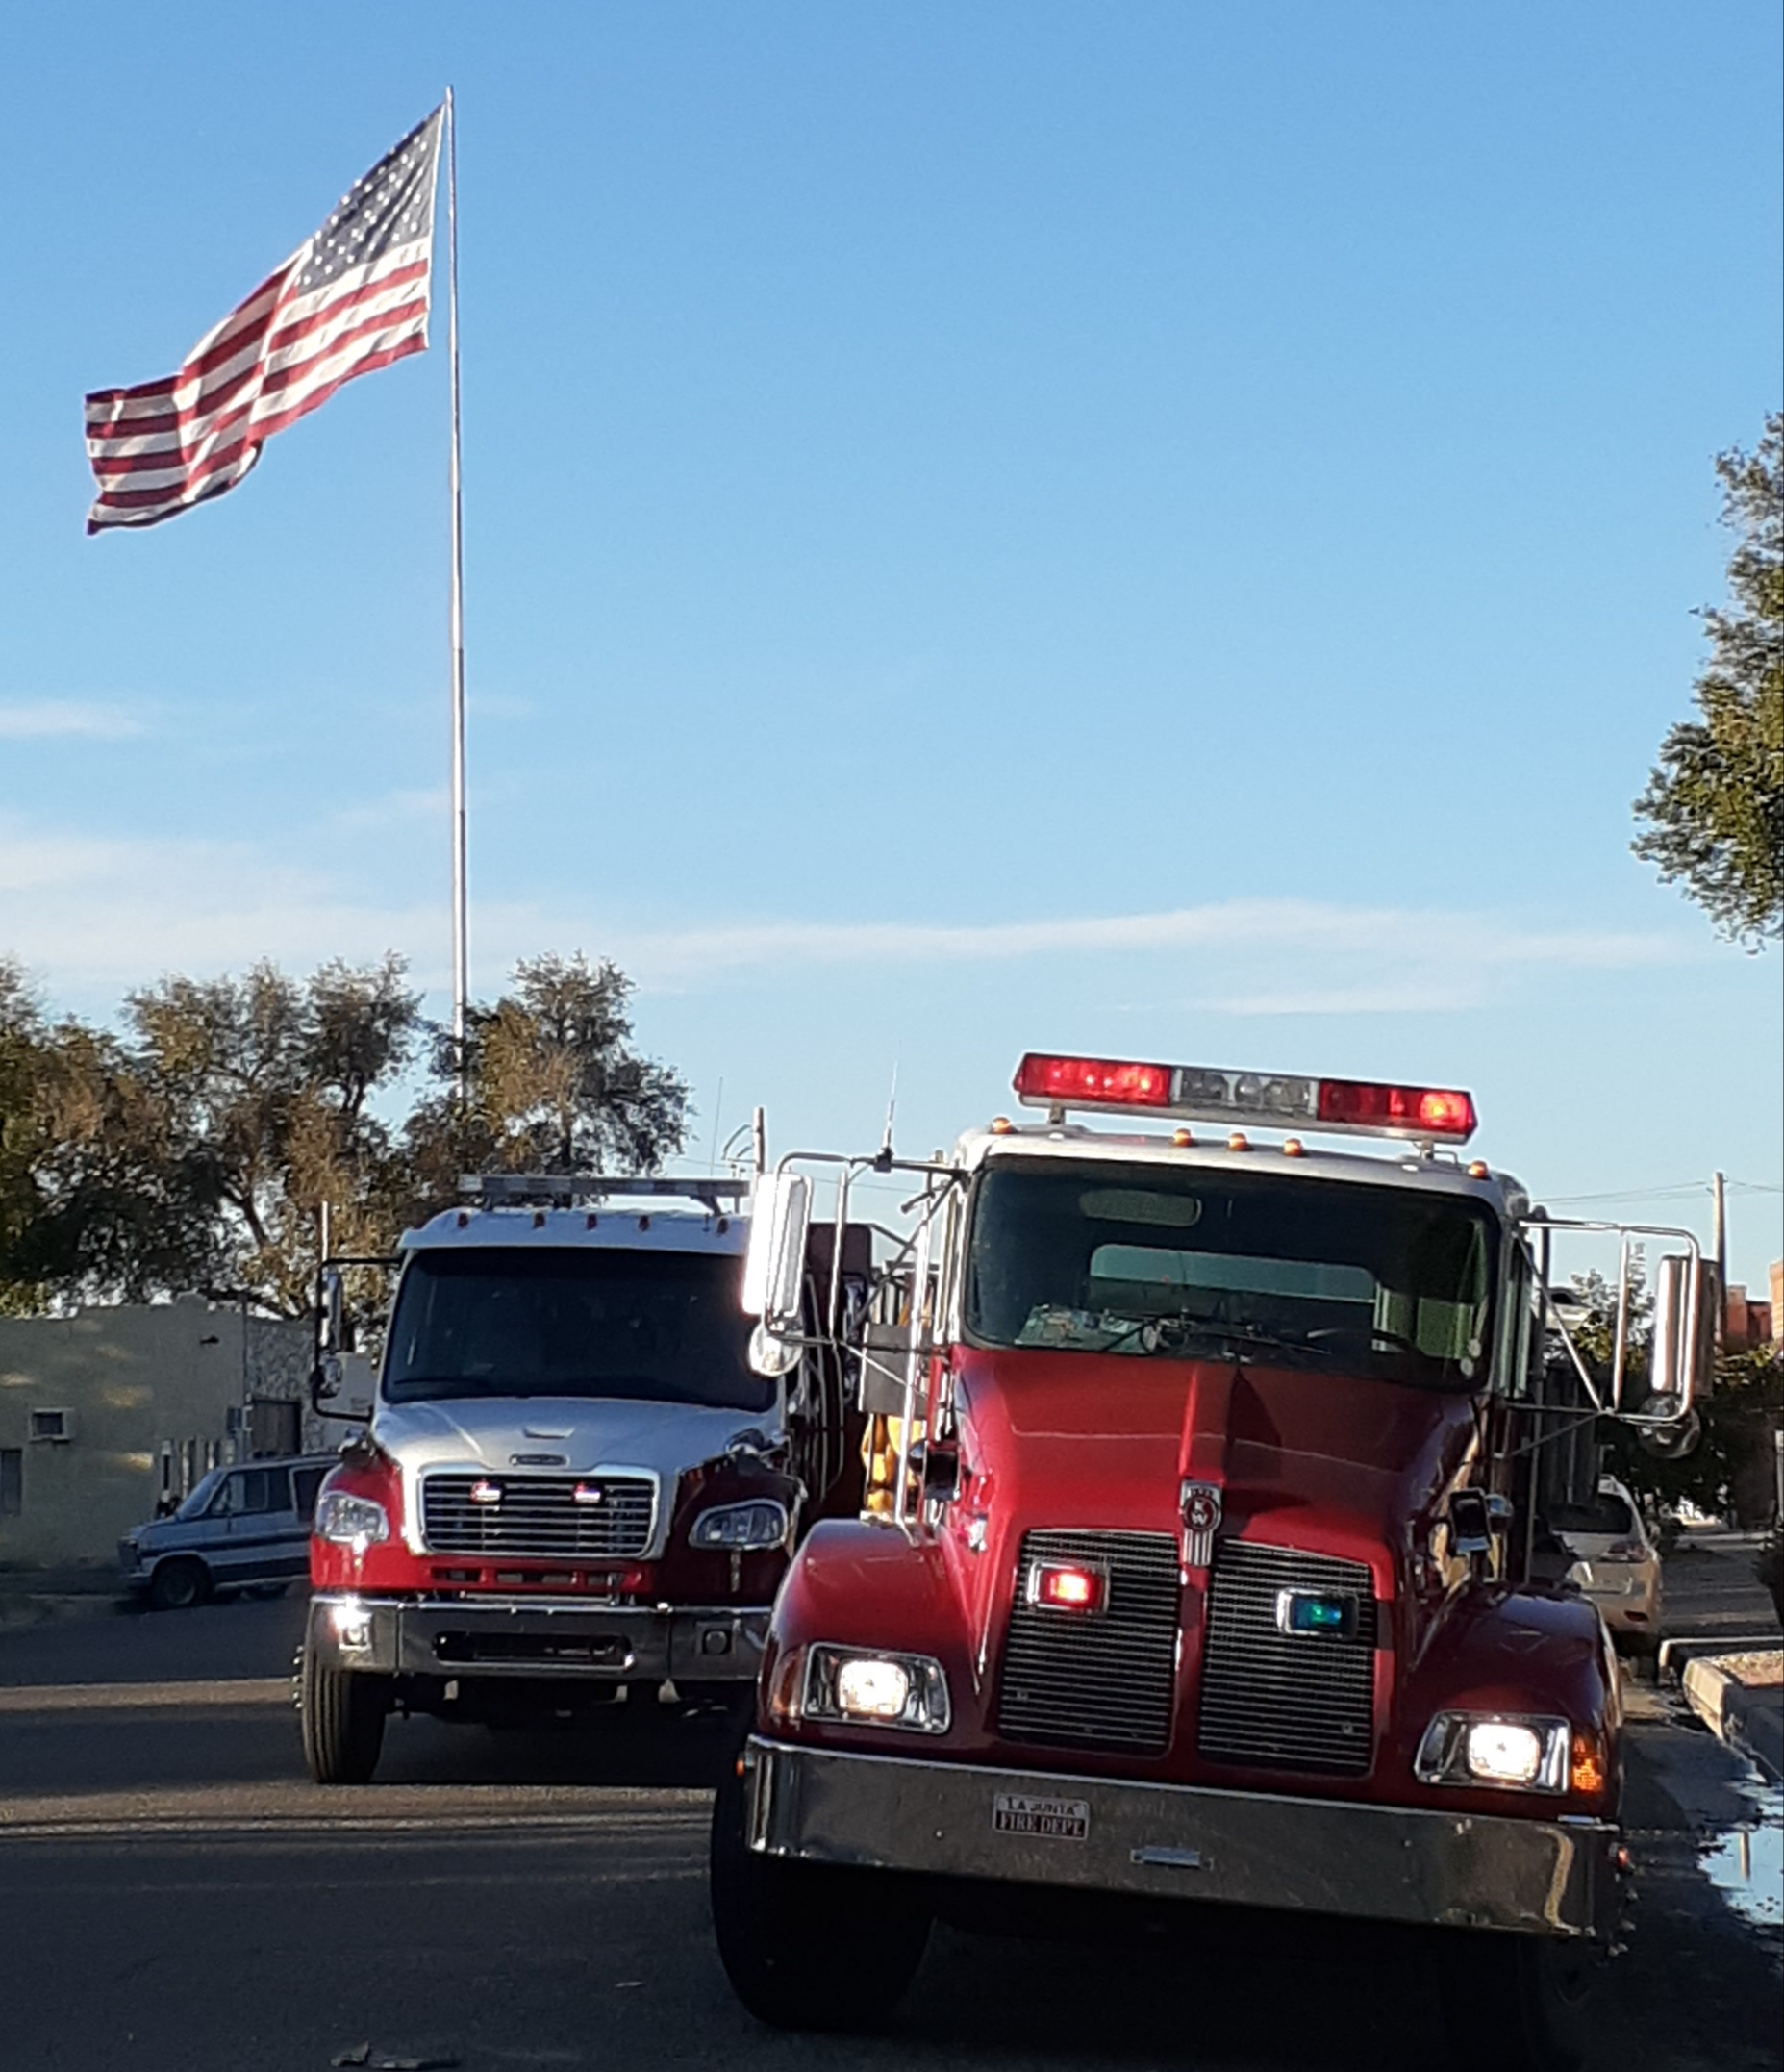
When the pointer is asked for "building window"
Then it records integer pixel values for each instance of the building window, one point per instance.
(12, 1482)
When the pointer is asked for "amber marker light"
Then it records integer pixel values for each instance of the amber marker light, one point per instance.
(1293, 1147)
(1001, 1126)
(1479, 1170)
(1586, 1773)
(1238, 1142)
(1183, 1139)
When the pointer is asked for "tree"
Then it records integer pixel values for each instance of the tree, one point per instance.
(21, 1037)
(263, 1086)
(1715, 802)
(551, 1084)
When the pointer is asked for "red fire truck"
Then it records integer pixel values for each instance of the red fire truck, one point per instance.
(573, 1483)
(1201, 1553)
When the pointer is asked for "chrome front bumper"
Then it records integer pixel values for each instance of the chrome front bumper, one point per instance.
(532, 1636)
(1464, 1869)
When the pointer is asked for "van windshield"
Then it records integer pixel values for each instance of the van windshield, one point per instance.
(203, 1490)
(1155, 1263)
(653, 1326)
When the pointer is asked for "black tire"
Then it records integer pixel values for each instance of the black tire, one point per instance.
(177, 1585)
(810, 1945)
(1520, 2003)
(342, 1713)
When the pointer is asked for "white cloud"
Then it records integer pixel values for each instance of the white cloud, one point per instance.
(396, 809)
(1446, 940)
(87, 914)
(53, 719)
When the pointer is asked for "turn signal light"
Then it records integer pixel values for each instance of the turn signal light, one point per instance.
(1586, 1773)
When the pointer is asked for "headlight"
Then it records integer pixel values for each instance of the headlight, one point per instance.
(1512, 1752)
(349, 1520)
(876, 1690)
(738, 1526)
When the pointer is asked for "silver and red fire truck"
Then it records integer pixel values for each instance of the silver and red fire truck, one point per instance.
(573, 1483)
(1201, 1556)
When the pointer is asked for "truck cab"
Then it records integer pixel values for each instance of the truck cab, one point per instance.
(1196, 1555)
(573, 1483)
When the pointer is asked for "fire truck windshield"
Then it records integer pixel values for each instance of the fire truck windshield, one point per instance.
(1149, 1262)
(657, 1326)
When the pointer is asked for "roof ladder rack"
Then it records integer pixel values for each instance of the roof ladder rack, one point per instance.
(571, 1190)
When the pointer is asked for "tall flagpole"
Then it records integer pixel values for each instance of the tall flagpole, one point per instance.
(460, 930)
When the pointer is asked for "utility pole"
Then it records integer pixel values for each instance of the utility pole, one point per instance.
(1719, 1244)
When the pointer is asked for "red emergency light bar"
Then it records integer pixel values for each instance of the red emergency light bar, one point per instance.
(1203, 1092)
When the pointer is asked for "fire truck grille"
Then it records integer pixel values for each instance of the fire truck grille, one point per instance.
(567, 1517)
(1287, 1701)
(1095, 1681)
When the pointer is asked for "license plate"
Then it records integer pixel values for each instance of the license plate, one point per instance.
(1056, 1820)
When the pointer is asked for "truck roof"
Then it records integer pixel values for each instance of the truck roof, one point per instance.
(632, 1226)
(1210, 1148)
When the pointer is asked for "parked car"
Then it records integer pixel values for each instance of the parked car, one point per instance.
(240, 1529)
(1615, 1563)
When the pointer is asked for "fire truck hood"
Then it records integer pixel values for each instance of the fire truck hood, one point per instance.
(547, 1434)
(1089, 1440)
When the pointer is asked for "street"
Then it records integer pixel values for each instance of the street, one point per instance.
(174, 1894)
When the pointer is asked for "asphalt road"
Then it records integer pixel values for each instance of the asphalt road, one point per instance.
(176, 1897)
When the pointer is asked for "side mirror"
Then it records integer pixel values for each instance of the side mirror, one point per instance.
(1470, 1523)
(325, 1379)
(1683, 1363)
(774, 1265)
(939, 1469)
(329, 1327)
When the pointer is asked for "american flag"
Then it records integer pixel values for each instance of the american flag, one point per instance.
(352, 298)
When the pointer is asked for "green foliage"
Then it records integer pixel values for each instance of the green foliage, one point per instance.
(551, 1084)
(1733, 1459)
(1738, 1419)
(1714, 803)
(194, 1150)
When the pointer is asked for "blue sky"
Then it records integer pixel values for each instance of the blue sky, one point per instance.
(1165, 530)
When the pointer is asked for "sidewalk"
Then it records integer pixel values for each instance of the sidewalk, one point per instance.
(76, 1591)
(1740, 1698)
(1722, 1640)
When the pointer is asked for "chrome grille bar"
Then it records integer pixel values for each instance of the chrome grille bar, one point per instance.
(540, 1515)
(1107, 1681)
(1276, 1700)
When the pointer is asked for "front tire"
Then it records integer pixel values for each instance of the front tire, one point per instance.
(810, 1945)
(342, 1713)
(1520, 2003)
(178, 1585)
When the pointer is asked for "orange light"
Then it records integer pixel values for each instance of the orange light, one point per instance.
(784, 1691)
(1479, 1170)
(1292, 1148)
(1183, 1138)
(1238, 1142)
(1586, 1773)
(1001, 1126)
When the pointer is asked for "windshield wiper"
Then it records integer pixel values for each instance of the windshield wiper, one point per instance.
(1185, 1327)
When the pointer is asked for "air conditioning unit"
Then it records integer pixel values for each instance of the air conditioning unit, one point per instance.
(55, 1426)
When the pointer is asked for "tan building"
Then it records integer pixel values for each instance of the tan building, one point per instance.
(104, 1411)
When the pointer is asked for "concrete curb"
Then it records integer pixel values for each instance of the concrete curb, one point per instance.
(1751, 1720)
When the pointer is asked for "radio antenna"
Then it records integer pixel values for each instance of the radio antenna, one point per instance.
(883, 1160)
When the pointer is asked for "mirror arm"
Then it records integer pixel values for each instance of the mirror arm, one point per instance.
(1552, 1316)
